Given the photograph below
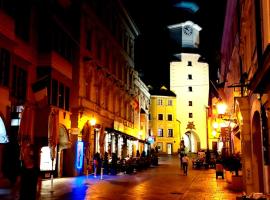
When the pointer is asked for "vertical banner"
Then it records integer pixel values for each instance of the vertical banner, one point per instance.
(79, 155)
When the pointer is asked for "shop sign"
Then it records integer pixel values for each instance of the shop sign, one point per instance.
(79, 155)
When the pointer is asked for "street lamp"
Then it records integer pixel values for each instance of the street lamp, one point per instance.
(93, 121)
(221, 108)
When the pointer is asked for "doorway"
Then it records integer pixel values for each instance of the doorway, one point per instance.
(169, 148)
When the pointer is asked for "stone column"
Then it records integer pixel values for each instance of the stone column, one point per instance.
(246, 144)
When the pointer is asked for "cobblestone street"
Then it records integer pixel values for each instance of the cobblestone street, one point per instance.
(165, 181)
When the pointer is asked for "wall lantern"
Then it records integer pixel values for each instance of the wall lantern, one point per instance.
(93, 121)
(221, 108)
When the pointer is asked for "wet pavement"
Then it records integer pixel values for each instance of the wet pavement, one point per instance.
(163, 182)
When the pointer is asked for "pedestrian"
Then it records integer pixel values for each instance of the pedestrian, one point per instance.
(185, 161)
(29, 173)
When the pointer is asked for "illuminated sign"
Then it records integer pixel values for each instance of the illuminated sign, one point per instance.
(79, 155)
(45, 159)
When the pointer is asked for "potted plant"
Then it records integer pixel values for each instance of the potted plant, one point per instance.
(232, 164)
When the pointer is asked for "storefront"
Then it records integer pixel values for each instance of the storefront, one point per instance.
(120, 143)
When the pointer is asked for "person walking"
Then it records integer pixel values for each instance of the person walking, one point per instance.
(185, 160)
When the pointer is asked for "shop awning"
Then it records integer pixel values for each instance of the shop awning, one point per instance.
(111, 130)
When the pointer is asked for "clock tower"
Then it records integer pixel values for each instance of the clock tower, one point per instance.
(187, 34)
(189, 80)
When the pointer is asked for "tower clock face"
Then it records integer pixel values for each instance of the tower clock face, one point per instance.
(187, 30)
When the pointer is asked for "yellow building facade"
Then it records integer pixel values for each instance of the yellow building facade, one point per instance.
(163, 124)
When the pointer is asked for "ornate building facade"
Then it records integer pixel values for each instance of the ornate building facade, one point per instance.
(244, 71)
(68, 82)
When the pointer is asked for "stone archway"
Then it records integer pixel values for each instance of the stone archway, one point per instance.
(64, 145)
(191, 141)
(257, 158)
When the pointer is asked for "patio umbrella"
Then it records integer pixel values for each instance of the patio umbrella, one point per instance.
(53, 131)
(26, 128)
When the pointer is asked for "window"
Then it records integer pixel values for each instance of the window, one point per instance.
(159, 102)
(88, 40)
(67, 94)
(169, 117)
(4, 67)
(149, 117)
(190, 115)
(190, 76)
(22, 21)
(54, 97)
(19, 83)
(190, 89)
(60, 95)
(170, 132)
(160, 116)
(170, 102)
(149, 132)
(189, 63)
(160, 132)
(189, 103)
(62, 43)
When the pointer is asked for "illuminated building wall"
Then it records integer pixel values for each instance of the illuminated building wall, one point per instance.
(163, 123)
(189, 80)
(244, 66)
(78, 71)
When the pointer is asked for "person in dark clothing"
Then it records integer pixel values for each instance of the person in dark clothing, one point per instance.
(29, 173)
(185, 161)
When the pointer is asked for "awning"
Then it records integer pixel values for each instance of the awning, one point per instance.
(111, 130)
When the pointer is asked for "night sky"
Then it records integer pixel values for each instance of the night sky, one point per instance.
(154, 47)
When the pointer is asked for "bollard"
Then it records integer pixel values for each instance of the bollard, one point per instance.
(101, 173)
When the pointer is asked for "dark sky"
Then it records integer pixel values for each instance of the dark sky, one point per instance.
(154, 47)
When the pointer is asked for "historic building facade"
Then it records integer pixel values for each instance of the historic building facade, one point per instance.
(164, 126)
(189, 79)
(68, 83)
(244, 71)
